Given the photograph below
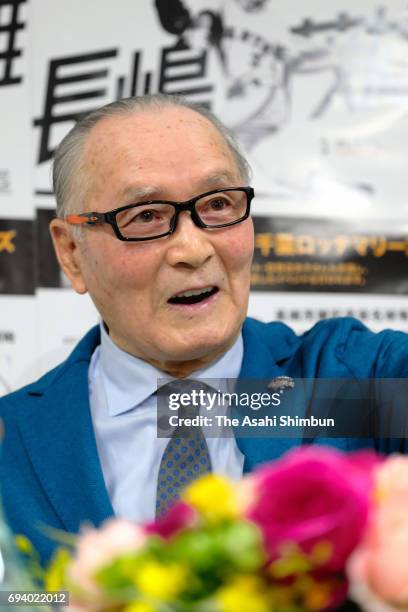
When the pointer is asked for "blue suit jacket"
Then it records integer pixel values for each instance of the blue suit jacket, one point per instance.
(50, 472)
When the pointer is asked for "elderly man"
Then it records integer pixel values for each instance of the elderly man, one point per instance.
(153, 221)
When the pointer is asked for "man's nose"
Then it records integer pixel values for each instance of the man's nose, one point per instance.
(189, 245)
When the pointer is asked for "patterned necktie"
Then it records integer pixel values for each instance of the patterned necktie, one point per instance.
(186, 456)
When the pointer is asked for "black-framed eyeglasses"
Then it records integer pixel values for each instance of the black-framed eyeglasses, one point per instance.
(158, 218)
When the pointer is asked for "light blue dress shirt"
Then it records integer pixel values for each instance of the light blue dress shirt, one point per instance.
(123, 408)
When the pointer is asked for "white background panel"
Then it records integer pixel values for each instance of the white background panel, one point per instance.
(64, 317)
(19, 337)
(302, 310)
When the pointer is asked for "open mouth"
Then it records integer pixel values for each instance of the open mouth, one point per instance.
(194, 296)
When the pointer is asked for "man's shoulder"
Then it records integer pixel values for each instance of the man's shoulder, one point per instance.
(13, 403)
(340, 327)
(275, 330)
(349, 334)
(334, 347)
(348, 347)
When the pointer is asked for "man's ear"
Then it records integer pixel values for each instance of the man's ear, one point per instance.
(68, 253)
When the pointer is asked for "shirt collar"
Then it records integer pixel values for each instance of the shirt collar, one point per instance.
(128, 381)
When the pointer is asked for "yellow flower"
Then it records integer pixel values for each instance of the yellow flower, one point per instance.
(55, 577)
(163, 582)
(24, 545)
(213, 497)
(139, 606)
(243, 593)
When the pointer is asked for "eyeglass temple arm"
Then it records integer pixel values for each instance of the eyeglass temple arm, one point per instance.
(88, 218)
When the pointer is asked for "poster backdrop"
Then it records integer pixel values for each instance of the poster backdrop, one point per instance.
(317, 94)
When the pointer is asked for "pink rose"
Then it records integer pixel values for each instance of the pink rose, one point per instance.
(180, 516)
(313, 495)
(391, 480)
(359, 590)
(380, 562)
(98, 547)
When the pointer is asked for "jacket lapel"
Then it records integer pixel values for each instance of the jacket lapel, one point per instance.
(60, 440)
(267, 349)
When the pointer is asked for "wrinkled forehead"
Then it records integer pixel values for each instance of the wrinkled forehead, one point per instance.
(155, 148)
(164, 130)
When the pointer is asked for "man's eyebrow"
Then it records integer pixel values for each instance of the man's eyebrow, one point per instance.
(226, 179)
(219, 179)
(134, 192)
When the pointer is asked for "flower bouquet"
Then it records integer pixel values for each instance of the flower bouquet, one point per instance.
(283, 539)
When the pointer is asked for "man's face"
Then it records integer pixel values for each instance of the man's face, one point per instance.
(172, 154)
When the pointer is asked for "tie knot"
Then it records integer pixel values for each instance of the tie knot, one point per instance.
(184, 385)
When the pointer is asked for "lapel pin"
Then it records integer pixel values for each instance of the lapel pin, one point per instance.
(281, 383)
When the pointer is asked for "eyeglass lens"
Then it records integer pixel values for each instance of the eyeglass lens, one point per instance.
(148, 220)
